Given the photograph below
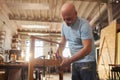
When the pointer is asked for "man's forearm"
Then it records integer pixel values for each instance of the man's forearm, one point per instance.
(60, 49)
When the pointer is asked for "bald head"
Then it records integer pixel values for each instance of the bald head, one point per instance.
(68, 8)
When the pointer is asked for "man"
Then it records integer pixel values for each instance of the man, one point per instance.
(78, 33)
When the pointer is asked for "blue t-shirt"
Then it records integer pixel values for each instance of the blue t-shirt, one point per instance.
(80, 30)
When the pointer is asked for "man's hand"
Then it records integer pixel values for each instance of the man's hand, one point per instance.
(65, 62)
(56, 56)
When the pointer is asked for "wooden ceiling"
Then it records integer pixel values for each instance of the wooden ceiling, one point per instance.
(46, 13)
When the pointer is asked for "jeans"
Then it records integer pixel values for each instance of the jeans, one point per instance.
(84, 71)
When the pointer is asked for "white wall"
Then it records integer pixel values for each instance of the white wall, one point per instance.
(7, 27)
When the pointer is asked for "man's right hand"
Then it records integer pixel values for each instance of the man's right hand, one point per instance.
(56, 56)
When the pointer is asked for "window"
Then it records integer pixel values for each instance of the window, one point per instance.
(27, 50)
(38, 48)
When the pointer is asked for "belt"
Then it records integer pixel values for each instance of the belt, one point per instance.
(84, 63)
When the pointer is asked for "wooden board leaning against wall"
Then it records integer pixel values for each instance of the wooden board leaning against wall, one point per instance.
(118, 48)
(118, 43)
(108, 49)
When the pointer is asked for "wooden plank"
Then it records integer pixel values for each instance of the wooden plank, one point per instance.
(47, 62)
(101, 46)
(118, 48)
(31, 63)
(107, 49)
(45, 40)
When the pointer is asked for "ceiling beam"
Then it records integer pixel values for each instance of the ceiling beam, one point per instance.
(109, 9)
(42, 35)
(102, 10)
(4, 15)
(23, 18)
(45, 35)
(92, 6)
(38, 23)
(4, 7)
(116, 12)
(83, 8)
(43, 32)
(29, 6)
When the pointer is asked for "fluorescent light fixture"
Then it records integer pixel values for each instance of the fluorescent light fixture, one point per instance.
(34, 26)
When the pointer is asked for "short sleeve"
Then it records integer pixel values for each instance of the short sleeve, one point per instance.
(62, 30)
(86, 32)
